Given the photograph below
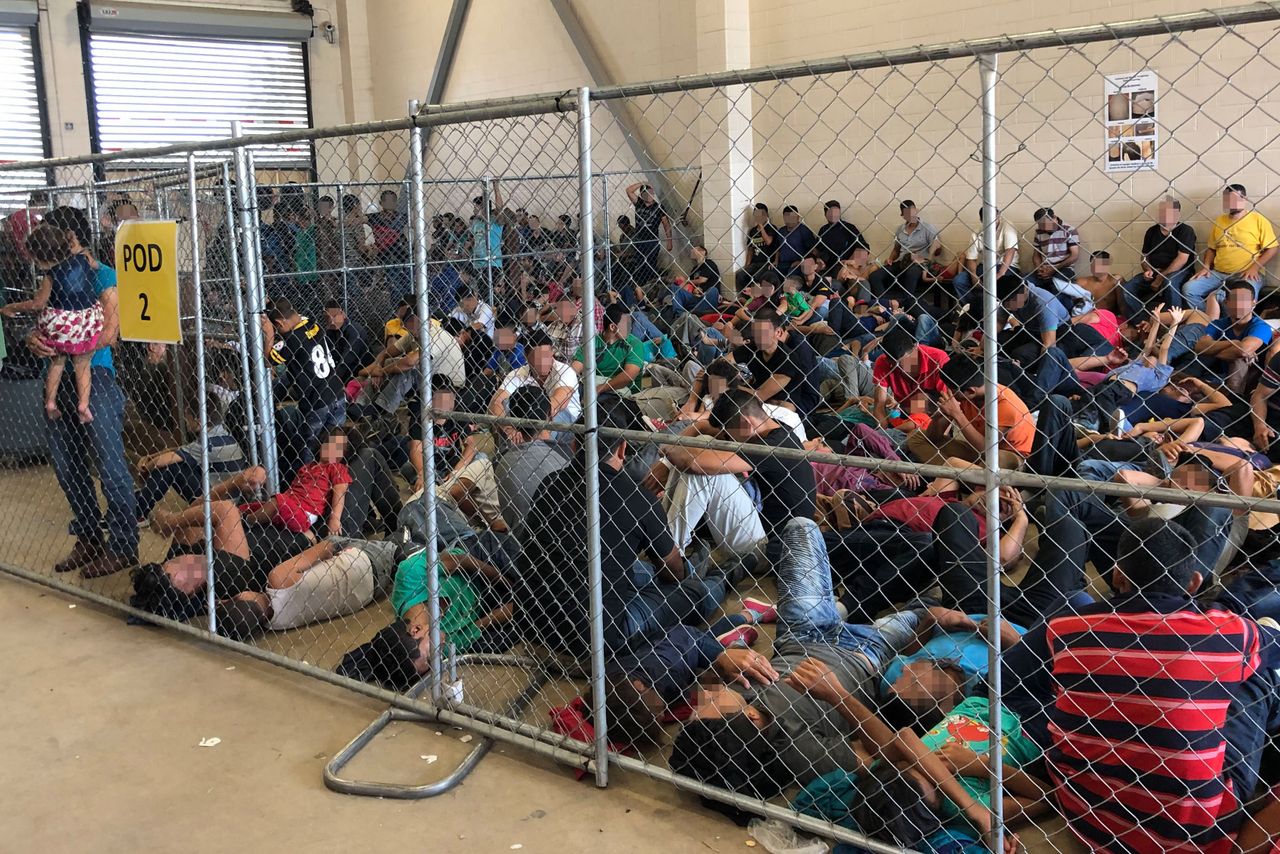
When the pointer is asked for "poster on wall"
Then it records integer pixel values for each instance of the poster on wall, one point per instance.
(1130, 120)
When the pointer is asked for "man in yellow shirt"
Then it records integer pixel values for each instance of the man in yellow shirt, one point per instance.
(1240, 246)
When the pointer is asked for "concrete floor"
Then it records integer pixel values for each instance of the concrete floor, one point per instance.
(102, 723)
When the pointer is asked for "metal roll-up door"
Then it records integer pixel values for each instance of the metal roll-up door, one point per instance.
(151, 90)
(22, 126)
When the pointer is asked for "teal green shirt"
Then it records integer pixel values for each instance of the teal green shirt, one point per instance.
(459, 602)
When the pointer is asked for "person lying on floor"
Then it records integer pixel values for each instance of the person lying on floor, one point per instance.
(644, 686)
(179, 468)
(335, 577)
(318, 491)
(930, 792)
(758, 741)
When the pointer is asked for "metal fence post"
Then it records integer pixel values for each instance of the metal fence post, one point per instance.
(255, 292)
(201, 391)
(608, 232)
(418, 214)
(488, 230)
(591, 448)
(342, 245)
(233, 264)
(990, 305)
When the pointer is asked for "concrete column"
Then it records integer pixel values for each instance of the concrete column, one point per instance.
(728, 180)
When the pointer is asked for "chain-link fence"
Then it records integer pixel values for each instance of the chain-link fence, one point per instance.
(880, 445)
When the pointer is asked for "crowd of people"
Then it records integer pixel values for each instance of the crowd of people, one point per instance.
(1141, 653)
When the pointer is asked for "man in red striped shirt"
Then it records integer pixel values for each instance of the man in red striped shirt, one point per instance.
(1152, 712)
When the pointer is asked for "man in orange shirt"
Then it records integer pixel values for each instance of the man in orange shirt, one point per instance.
(962, 407)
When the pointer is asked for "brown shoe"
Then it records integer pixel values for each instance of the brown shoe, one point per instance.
(83, 553)
(106, 564)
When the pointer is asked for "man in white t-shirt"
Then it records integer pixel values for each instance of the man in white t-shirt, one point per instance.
(970, 274)
(556, 378)
(474, 312)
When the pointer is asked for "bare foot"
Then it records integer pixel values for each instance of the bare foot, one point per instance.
(51, 411)
(83, 412)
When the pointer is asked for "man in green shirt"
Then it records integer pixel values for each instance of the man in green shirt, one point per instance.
(473, 597)
(619, 354)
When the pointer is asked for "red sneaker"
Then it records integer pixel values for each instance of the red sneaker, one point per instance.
(742, 636)
(764, 611)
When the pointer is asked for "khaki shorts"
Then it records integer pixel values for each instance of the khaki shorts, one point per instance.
(341, 585)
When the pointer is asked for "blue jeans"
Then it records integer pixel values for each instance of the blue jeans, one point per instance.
(321, 419)
(682, 300)
(807, 604)
(642, 327)
(183, 477)
(1196, 291)
(927, 331)
(77, 448)
(660, 605)
(1138, 295)
(963, 283)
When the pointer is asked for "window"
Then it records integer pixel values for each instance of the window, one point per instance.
(22, 127)
(151, 90)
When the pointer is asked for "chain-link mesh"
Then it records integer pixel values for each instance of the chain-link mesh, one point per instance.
(804, 413)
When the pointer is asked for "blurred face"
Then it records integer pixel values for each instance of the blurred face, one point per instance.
(334, 449)
(469, 303)
(324, 209)
(1233, 203)
(765, 335)
(721, 701)
(623, 328)
(443, 400)
(791, 219)
(1168, 216)
(541, 359)
(646, 195)
(832, 214)
(1239, 303)
(505, 338)
(187, 573)
(1100, 267)
(761, 217)
(1192, 477)
(808, 267)
(716, 386)
(335, 317)
(910, 360)
(698, 254)
(923, 685)
(124, 213)
(745, 430)
(389, 201)
(566, 311)
(910, 216)
(534, 222)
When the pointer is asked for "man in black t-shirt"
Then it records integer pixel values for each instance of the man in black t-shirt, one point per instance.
(837, 239)
(307, 372)
(700, 294)
(552, 568)
(1168, 260)
(650, 217)
(782, 364)
(763, 241)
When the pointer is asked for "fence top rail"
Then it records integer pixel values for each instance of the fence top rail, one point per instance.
(562, 102)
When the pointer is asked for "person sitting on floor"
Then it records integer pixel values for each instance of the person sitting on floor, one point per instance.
(179, 469)
(1149, 688)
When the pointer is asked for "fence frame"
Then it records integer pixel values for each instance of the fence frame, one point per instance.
(246, 250)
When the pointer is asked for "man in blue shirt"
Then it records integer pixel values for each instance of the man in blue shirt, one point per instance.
(78, 449)
(797, 241)
(1231, 342)
(1030, 339)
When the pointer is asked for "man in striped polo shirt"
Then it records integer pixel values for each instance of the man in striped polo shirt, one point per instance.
(1153, 712)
